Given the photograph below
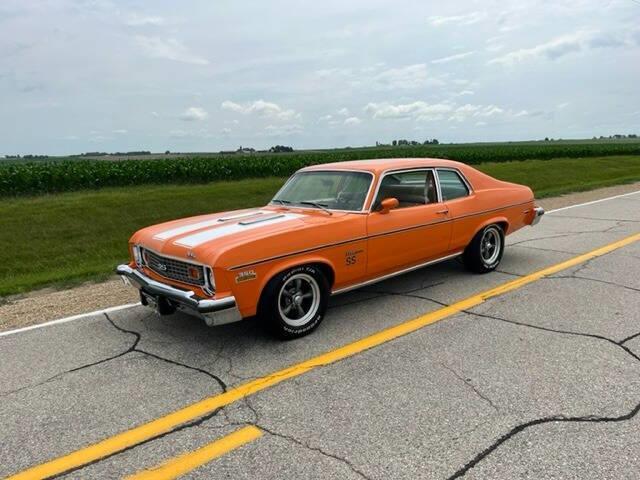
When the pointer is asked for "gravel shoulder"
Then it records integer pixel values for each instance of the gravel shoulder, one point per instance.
(50, 304)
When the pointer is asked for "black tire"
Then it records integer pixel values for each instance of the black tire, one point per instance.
(482, 255)
(294, 302)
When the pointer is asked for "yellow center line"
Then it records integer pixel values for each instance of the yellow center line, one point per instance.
(182, 464)
(159, 426)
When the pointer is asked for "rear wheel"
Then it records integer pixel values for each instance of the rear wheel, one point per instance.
(485, 251)
(295, 301)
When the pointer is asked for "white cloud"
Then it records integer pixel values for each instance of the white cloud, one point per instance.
(494, 47)
(521, 113)
(418, 110)
(352, 121)
(490, 111)
(185, 134)
(561, 46)
(410, 76)
(155, 114)
(468, 110)
(225, 131)
(193, 114)
(120, 131)
(466, 92)
(136, 20)
(563, 105)
(380, 76)
(168, 49)
(283, 130)
(453, 58)
(262, 108)
(325, 118)
(343, 111)
(467, 19)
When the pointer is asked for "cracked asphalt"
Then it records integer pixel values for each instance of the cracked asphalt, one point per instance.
(541, 382)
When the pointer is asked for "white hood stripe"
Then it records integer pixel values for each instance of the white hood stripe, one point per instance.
(197, 226)
(205, 236)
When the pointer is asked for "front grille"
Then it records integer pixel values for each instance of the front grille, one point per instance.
(174, 269)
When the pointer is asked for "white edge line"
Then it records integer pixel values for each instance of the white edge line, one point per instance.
(131, 305)
(594, 201)
(69, 319)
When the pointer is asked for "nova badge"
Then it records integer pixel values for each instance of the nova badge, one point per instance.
(246, 276)
(190, 254)
(162, 267)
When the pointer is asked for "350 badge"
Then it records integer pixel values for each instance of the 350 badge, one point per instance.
(246, 276)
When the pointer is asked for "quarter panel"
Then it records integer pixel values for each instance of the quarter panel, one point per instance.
(471, 214)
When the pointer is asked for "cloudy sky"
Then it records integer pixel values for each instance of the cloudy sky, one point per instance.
(87, 75)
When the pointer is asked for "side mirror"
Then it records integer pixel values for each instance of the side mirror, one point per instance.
(388, 204)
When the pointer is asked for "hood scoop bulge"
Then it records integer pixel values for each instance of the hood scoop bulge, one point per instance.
(261, 219)
(241, 215)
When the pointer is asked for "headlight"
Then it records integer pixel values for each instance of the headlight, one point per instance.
(209, 282)
(137, 255)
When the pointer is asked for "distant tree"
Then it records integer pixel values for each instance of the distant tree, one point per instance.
(546, 139)
(281, 149)
(167, 152)
(394, 143)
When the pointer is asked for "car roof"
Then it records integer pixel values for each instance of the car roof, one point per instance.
(380, 165)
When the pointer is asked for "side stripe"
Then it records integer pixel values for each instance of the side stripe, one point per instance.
(367, 237)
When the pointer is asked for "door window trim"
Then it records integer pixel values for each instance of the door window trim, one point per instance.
(462, 177)
(406, 170)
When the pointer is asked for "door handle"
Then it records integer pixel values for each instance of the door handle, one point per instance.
(442, 212)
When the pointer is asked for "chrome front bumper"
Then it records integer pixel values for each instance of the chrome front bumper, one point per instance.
(538, 212)
(166, 299)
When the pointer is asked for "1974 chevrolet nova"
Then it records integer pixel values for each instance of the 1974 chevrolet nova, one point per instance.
(331, 228)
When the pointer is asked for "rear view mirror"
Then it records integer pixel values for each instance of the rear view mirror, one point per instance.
(388, 204)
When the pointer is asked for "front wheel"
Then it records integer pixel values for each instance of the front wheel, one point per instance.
(295, 301)
(485, 251)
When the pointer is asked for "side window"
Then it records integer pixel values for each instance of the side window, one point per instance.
(451, 185)
(416, 187)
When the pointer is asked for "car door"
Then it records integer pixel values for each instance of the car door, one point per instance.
(415, 232)
(458, 198)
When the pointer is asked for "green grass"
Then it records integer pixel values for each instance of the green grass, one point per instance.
(559, 176)
(69, 237)
(41, 177)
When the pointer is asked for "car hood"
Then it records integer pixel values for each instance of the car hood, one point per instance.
(205, 237)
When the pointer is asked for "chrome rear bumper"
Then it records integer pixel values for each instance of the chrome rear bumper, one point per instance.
(538, 212)
(166, 299)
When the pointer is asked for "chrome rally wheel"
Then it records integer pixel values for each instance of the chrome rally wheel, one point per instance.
(484, 253)
(299, 299)
(490, 245)
(294, 301)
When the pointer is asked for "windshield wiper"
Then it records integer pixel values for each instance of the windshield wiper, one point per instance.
(282, 202)
(317, 205)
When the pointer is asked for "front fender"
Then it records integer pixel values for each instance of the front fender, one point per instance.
(249, 283)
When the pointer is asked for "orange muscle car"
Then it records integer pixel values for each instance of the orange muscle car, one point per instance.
(331, 228)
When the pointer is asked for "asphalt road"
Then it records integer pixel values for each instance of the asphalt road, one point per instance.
(540, 382)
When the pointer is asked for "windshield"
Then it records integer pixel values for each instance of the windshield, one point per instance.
(334, 190)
